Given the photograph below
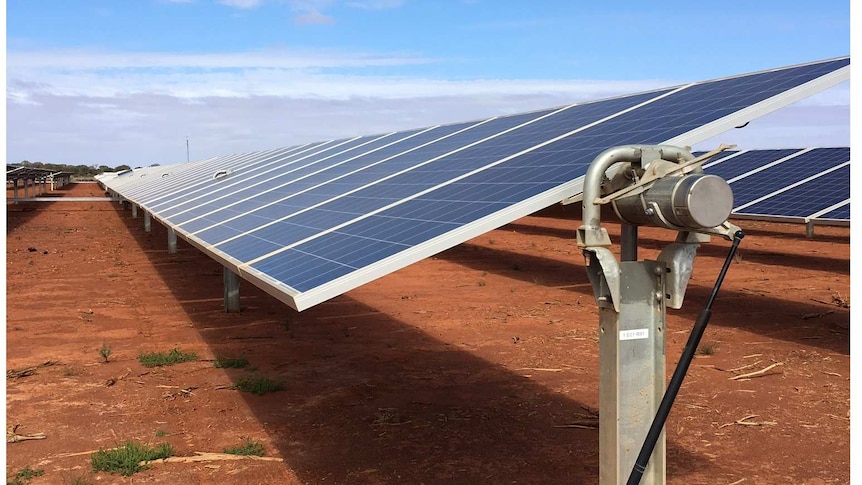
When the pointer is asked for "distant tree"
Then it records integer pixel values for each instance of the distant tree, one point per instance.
(120, 168)
(156, 165)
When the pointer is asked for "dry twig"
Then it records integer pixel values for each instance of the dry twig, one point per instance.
(576, 425)
(745, 422)
(29, 371)
(809, 316)
(205, 456)
(13, 437)
(744, 367)
(758, 373)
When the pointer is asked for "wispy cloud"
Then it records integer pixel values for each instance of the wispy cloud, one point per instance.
(241, 3)
(277, 72)
(87, 60)
(375, 4)
(313, 18)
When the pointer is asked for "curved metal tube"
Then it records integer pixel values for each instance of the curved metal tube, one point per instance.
(591, 233)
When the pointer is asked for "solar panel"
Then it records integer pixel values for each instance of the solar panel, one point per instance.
(742, 162)
(325, 219)
(841, 213)
(787, 184)
(803, 201)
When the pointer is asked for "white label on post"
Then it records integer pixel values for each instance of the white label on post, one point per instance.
(635, 334)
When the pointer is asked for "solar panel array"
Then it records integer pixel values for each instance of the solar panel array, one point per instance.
(309, 222)
(796, 185)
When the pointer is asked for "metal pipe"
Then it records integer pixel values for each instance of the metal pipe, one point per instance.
(628, 242)
(627, 153)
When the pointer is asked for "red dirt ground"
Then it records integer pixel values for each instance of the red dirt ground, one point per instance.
(429, 375)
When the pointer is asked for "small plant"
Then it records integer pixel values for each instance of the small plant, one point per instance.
(24, 475)
(222, 362)
(160, 433)
(158, 359)
(249, 448)
(72, 371)
(125, 459)
(481, 283)
(82, 479)
(105, 352)
(259, 385)
(707, 348)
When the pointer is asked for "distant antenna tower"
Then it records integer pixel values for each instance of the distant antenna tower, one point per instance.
(187, 148)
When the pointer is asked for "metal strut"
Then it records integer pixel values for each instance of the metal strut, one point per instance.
(681, 370)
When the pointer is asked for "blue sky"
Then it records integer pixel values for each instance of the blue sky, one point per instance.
(103, 81)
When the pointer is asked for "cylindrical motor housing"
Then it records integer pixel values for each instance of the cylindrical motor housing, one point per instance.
(693, 201)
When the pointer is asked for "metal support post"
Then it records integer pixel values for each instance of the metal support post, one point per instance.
(809, 229)
(231, 291)
(147, 219)
(631, 373)
(661, 186)
(134, 211)
(172, 241)
(628, 242)
(15, 192)
(26, 188)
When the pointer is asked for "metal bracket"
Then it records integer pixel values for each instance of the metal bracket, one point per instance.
(679, 262)
(604, 273)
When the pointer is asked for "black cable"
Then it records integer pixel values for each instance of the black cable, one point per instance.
(681, 369)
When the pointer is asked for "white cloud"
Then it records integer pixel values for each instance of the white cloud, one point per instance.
(313, 18)
(375, 4)
(97, 107)
(241, 3)
(84, 60)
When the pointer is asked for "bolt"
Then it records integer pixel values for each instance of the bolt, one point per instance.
(658, 296)
(657, 270)
(649, 211)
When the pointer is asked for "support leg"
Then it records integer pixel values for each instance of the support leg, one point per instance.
(631, 373)
(148, 224)
(172, 241)
(809, 229)
(134, 211)
(231, 291)
(15, 192)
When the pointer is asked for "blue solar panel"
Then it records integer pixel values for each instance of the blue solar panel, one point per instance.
(186, 176)
(325, 219)
(730, 167)
(788, 172)
(842, 213)
(807, 199)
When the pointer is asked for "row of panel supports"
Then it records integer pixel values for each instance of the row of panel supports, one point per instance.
(231, 279)
(39, 186)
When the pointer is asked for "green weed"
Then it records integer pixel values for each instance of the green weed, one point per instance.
(158, 359)
(231, 362)
(105, 352)
(250, 447)
(259, 385)
(707, 348)
(125, 459)
(24, 475)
